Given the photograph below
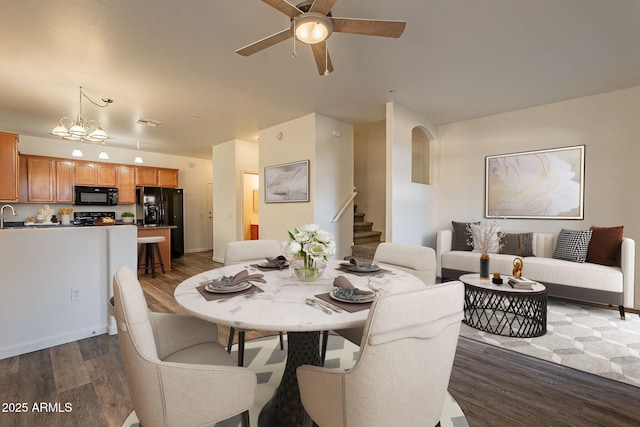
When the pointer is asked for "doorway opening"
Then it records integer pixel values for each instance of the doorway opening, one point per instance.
(251, 206)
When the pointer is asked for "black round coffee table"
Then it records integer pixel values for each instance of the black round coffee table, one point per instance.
(502, 310)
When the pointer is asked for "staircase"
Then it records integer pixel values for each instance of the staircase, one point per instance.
(365, 240)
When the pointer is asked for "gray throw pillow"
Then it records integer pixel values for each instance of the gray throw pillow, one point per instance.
(518, 244)
(572, 245)
(460, 237)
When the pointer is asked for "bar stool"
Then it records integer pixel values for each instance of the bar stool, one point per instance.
(148, 245)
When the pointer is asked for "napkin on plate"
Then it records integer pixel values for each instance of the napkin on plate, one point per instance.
(242, 276)
(348, 288)
(277, 262)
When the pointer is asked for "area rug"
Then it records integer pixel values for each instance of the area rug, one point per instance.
(590, 339)
(265, 358)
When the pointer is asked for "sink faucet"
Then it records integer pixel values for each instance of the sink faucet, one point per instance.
(2, 214)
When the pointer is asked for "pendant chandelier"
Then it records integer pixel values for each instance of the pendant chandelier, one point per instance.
(80, 129)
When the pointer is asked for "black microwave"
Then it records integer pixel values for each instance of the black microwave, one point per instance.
(102, 196)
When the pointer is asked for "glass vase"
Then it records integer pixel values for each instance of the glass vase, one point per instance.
(307, 270)
(484, 266)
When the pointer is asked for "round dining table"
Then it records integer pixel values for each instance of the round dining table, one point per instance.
(280, 304)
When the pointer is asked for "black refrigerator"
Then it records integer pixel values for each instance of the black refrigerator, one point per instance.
(163, 206)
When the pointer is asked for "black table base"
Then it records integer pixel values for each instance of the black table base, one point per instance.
(513, 314)
(285, 408)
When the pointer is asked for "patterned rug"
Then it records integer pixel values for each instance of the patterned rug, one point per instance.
(590, 339)
(265, 358)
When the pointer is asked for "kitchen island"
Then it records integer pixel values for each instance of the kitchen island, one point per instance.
(55, 283)
(165, 247)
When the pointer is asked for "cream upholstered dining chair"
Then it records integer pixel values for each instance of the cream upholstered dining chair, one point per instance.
(403, 369)
(249, 251)
(176, 371)
(417, 260)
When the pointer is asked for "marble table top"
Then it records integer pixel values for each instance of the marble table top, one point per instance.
(282, 306)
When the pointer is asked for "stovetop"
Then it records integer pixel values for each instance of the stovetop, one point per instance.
(89, 218)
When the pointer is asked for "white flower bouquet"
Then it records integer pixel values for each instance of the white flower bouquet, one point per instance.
(310, 243)
(485, 238)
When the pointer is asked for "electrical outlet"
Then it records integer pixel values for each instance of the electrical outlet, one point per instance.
(75, 294)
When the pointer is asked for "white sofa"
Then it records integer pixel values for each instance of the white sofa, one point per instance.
(564, 279)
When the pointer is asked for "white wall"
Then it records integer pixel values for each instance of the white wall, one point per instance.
(193, 177)
(331, 177)
(411, 207)
(607, 124)
(334, 158)
(230, 161)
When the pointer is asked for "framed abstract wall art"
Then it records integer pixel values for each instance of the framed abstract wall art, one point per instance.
(543, 184)
(288, 182)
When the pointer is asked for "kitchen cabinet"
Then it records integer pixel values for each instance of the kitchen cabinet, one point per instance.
(168, 178)
(126, 184)
(41, 179)
(106, 175)
(146, 176)
(8, 167)
(95, 173)
(85, 173)
(65, 176)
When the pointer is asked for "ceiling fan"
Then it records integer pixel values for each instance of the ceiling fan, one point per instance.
(312, 23)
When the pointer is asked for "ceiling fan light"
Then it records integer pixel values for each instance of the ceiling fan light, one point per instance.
(72, 137)
(76, 152)
(138, 160)
(312, 28)
(103, 155)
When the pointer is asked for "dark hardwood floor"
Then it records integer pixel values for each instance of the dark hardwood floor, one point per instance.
(82, 383)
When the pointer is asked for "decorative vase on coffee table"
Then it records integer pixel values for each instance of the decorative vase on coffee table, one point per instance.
(484, 266)
(307, 270)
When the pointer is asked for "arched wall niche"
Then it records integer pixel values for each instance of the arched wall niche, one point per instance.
(421, 162)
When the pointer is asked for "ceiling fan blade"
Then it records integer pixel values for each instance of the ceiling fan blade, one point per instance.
(322, 6)
(265, 42)
(320, 54)
(287, 8)
(369, 27)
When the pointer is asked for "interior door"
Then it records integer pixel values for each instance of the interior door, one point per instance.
(210, 213)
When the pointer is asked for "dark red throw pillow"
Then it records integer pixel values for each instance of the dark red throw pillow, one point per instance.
(604, 246)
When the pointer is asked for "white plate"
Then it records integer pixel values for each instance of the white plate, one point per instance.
(227, 289)
(267, 264)
(361, 300)
(368, 268)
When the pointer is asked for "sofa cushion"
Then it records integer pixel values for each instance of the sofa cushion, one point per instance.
(581, 275)
(604, 246)
(460, 236)
(572, 245)
(519, 244)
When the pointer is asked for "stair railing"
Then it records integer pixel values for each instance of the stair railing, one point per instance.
(344, 207)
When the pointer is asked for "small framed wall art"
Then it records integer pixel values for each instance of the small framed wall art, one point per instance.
(287, 182)
(543, 184)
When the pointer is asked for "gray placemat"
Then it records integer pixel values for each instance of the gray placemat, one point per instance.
(350, 307)
(211, 296)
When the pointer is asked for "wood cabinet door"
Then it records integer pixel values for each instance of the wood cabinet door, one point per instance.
(65, 175)
(146, 176)
(85, 173)
(167, 178)
(126, 185)
(106, 175)
(40, 179)
(8, 167)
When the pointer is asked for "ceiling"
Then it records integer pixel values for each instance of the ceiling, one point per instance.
(175, 62)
